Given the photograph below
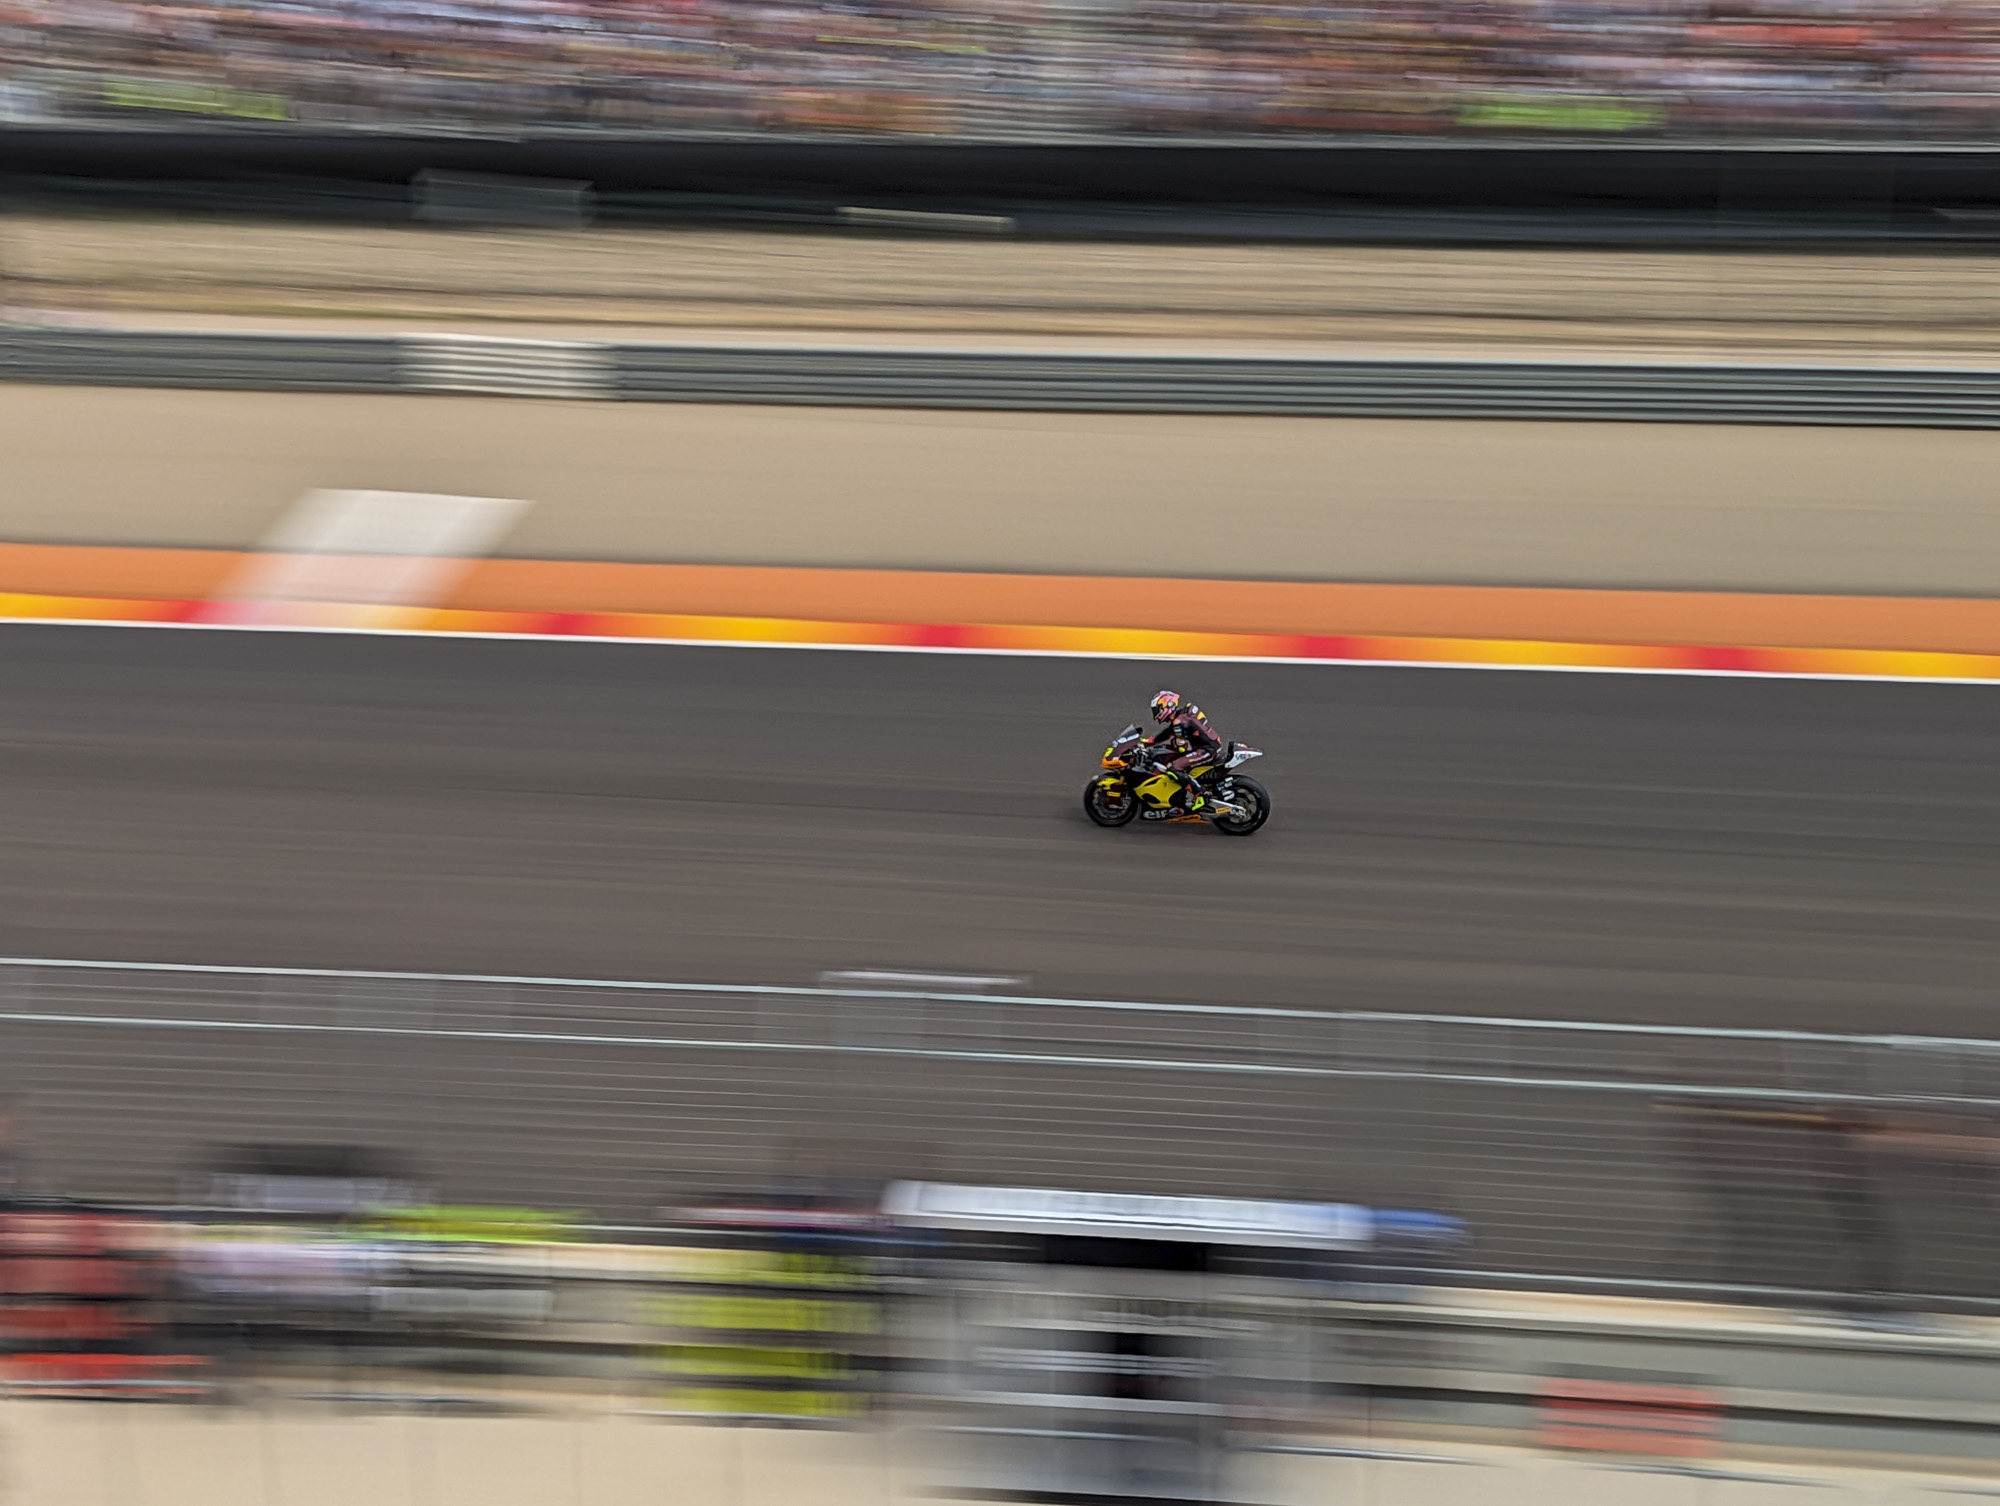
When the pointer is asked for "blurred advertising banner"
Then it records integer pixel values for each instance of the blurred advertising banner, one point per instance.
(83, 1307)
(781, 1316)
(1115, 1346)
(1047, 1210)
(1639, 1415)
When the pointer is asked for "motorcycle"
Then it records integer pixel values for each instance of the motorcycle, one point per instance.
(1131, 786)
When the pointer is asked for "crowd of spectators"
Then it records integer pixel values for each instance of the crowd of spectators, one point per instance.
(1782, 69)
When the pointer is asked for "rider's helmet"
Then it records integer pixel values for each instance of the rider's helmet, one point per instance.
(1165, 704)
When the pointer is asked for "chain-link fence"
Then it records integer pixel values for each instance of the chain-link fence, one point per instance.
(1575, 1151)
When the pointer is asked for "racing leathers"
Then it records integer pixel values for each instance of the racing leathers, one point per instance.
(1185, 745)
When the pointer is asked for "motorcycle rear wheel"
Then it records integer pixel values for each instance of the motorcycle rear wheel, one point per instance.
(1253, 795)
(1113, 806)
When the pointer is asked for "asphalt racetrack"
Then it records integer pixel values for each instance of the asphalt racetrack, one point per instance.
(1691, 850)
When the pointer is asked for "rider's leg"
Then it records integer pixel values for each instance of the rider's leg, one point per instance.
(1191, 795)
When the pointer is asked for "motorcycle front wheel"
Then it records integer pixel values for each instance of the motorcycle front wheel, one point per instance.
(1256, 800)
(1109, 805)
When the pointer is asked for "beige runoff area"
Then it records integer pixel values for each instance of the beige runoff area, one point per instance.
(1664, 506)
(82, 1454)
(1935, 306)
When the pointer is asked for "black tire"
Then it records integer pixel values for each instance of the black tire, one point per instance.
(1107, 812)
(1248, 792)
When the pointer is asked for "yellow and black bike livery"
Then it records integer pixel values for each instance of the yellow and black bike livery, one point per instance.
(1131, 786)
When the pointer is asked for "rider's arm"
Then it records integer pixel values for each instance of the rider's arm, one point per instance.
(1200, 733)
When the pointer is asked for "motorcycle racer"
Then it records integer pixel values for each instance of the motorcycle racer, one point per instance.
(1184, 745)
(1183, 772)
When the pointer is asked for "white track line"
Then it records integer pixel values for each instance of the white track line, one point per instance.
(1011, 653)
(794, 990)
(1729, 1092)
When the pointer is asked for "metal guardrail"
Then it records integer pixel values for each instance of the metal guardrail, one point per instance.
(1756, 1158)
(1903, 396)
(173, 358)
(1279, 386)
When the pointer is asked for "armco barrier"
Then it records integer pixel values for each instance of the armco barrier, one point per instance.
(465, 364)
(1579, 1151)
(170, 358)
(1266, 385)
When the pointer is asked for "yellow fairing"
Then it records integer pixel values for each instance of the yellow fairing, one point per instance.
(1158, 790)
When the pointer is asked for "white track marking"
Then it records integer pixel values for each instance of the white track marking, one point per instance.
(1730, 1092)
(364, 550)
(951, 982)
(790, 990)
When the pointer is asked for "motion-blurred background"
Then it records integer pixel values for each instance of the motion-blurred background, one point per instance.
(1749, 68)
(570, 967)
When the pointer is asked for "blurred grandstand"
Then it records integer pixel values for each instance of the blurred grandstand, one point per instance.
(1693, 70)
